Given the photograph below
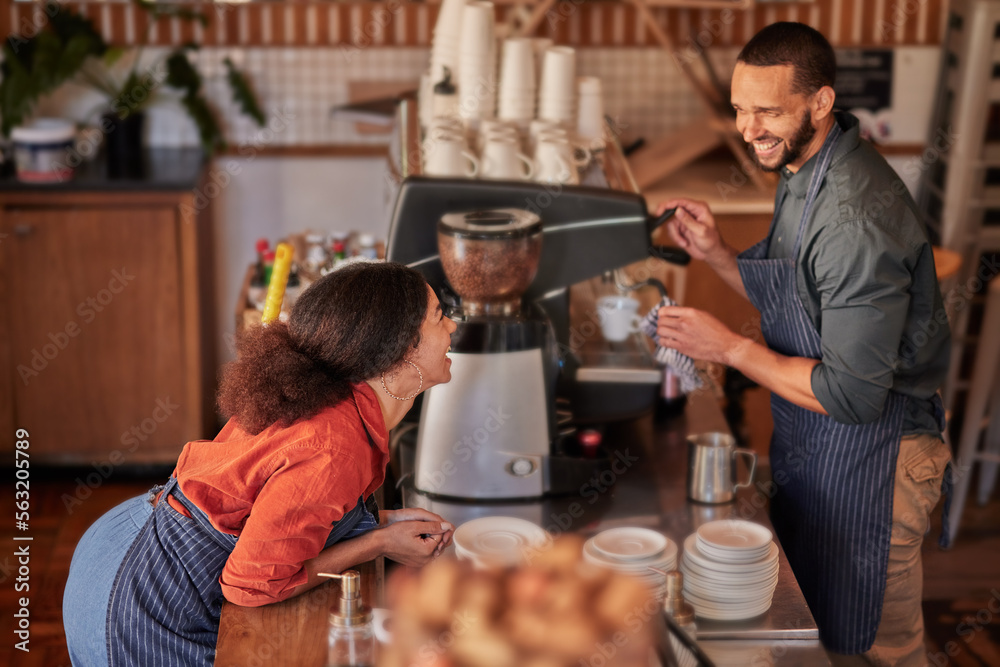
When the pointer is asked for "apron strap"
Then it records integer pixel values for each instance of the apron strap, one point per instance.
(823, 160)
(224, 540)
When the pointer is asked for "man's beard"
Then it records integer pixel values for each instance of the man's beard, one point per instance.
(793, 147)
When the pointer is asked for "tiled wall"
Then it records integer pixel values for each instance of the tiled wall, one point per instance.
(643, 92)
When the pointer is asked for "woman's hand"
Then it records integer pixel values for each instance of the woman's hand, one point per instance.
(389, 517)
(415, 542)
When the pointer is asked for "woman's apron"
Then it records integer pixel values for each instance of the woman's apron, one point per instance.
(832, 509)
(166, 600)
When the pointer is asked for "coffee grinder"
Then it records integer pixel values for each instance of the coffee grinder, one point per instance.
(502, 255)
(487, 432)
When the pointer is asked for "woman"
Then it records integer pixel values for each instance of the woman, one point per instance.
(284, 491)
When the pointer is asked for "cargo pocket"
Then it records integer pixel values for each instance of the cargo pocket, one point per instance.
(924, 471)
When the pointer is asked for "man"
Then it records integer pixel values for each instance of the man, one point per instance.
(857, 346)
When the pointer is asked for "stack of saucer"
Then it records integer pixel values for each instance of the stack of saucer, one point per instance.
(498, 541)
(730, 570)
(634, 551)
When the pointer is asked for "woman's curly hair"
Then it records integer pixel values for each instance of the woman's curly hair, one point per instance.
(349, 326)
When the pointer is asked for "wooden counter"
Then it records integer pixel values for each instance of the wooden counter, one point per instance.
(292, 633)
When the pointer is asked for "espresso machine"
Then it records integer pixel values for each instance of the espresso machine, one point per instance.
(502, 255)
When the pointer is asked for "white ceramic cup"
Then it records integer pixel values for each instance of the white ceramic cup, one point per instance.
(502, 158)
(580, 154)
(554, 163)
(536, 127)
(492, 127)
(618, 316)
(448, 156)
(446, 122)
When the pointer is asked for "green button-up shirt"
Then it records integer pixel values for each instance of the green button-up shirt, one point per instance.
(866, 278)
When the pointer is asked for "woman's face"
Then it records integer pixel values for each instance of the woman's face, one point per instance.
(431, 354)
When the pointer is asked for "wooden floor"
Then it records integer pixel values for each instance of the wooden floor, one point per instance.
(961, 596)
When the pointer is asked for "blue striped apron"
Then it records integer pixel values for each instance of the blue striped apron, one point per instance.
(166, 599)
(832, 509)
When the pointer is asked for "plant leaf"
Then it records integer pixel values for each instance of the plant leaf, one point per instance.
(208, 128)
(181, 74)
(112, 56)
(67, 24)
(243, 95)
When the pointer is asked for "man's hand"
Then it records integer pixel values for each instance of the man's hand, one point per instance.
(693, 228)
(696, 333)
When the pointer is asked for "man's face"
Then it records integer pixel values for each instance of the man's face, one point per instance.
(773, 120)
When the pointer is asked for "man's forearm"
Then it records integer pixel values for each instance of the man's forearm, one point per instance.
(788, 377)
(724, 264)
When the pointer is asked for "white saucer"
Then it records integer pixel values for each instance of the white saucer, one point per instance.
(692, 552)
(667, 560)
(735, 534)
(729, 614)
(630, 543)
(498, 539)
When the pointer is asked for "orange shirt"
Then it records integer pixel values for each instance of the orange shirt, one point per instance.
(280, 491)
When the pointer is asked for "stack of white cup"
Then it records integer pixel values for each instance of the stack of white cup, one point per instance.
(517, 81)
(590, 112)
(445, 43)
(477, 84)
(557, 92)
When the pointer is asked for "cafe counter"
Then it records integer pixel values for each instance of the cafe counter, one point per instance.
(642, 485)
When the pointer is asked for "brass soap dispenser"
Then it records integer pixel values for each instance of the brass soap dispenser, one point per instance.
(352, 633)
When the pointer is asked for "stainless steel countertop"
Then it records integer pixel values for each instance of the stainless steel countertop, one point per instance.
(647, 488)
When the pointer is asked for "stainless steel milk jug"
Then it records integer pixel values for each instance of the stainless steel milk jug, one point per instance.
(712, 467)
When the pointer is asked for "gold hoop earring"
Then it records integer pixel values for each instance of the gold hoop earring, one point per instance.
(411, 396)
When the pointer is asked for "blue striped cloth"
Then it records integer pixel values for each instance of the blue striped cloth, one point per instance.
(681, 364)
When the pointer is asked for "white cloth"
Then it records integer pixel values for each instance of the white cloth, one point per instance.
(681, 364)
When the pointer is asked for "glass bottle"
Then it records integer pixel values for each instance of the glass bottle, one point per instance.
(352, 633)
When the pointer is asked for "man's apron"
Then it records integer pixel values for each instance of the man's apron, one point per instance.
(832, 509)
(166, 600)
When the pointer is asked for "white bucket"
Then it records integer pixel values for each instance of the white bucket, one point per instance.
(42, 150)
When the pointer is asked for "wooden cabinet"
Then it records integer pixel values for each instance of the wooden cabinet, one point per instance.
(106, 350)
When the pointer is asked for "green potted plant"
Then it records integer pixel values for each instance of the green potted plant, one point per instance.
(69, 48)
